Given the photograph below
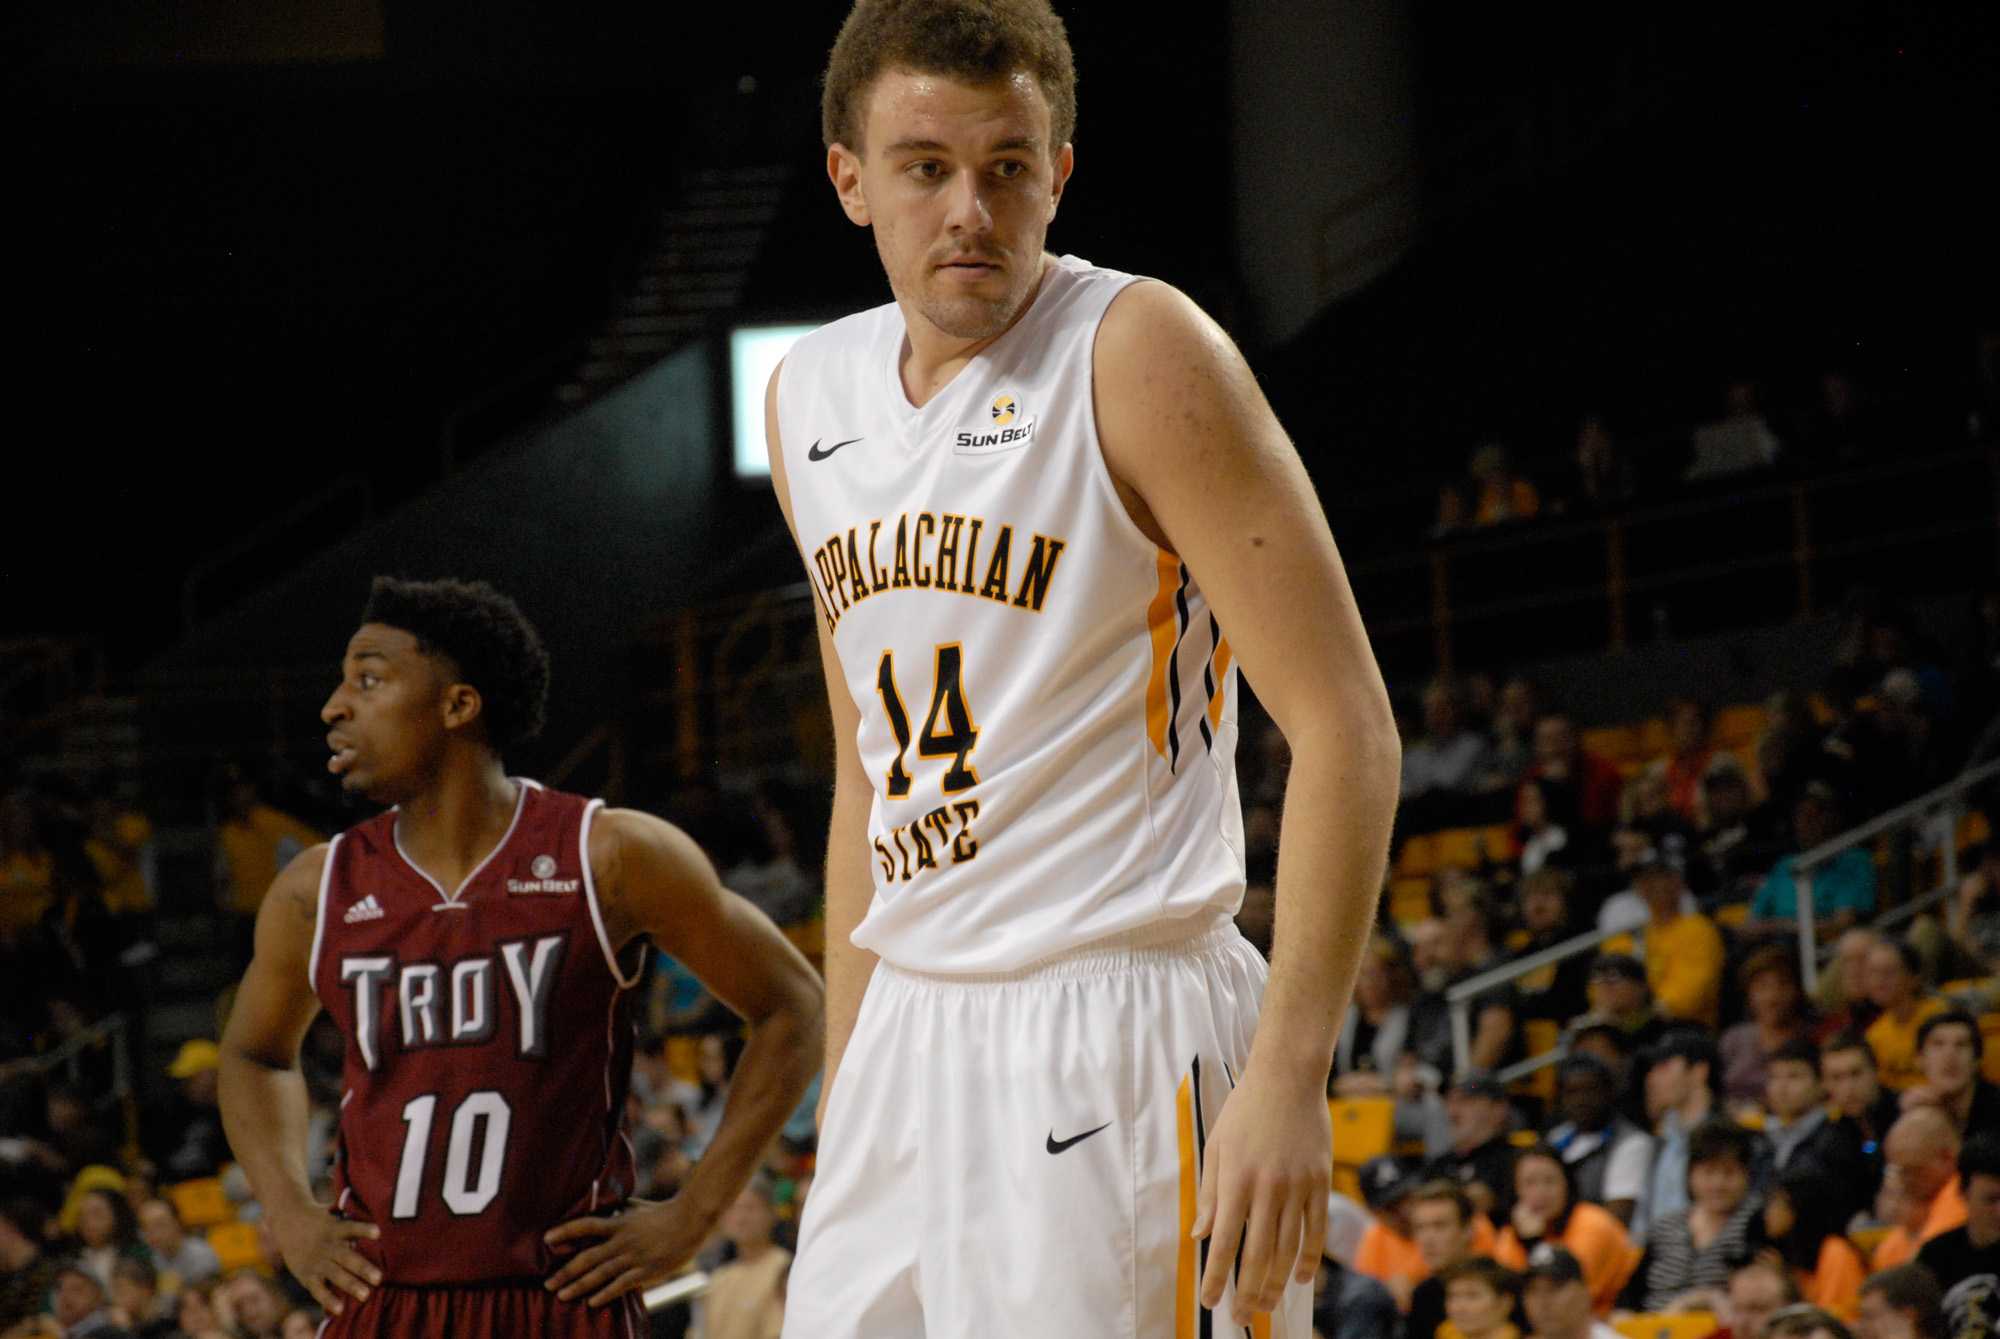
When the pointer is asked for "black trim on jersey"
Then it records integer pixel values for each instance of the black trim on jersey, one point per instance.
(1207, 1317)
(1174, 675)
(1208, 679)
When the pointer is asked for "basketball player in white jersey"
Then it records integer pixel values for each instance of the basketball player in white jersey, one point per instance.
(1046, 513)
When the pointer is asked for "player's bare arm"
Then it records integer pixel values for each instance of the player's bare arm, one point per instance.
(1206, 471)
(850, 882)
(263, 1094)
(653, 881)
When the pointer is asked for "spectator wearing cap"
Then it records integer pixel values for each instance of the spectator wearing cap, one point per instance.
(26, 1273)
(1903, 1303)
(1558, 1301)
(1347, 1304)
(1972, 1253)
(1547, 1213)
(1769, 980)
(1805, 1220)
(1690, 1250)
(1621, 996)
(1632, 848)
(1922, 1152)
(1607, 1155)
(1387, 1253)
(1447, 1229)
(1843, 887)
(1738, 847)
(188, 1259)
(1949, 1051)
(1481, 1158)
(185, 1136)
(1678, 1075)
(1684, 952)
(1896, 984)
(81, 1306)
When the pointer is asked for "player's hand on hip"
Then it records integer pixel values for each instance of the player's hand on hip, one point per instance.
(319, 1250)
(639, 1248)
(1266, 1173)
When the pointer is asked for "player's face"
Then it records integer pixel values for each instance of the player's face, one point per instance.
(959, 182)
(386, 717)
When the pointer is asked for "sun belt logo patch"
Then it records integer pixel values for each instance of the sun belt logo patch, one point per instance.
(544, 867)
(1010, 429)
(544, 881)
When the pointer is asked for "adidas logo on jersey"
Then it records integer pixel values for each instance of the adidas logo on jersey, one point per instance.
(367, 909)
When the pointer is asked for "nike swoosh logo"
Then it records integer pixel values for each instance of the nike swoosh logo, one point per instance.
(816, 454)
(1056, 1146)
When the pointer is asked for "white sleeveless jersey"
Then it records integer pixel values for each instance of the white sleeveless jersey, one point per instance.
(1048, 709)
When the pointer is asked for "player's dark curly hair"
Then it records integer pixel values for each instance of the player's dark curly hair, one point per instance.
(977, 41)
(485, 635)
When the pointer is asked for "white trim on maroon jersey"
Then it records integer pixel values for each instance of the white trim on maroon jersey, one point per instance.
(319, 914)
(590, 897)
(450, 899)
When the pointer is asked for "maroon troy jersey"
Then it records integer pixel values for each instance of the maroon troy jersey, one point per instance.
(488, 1046)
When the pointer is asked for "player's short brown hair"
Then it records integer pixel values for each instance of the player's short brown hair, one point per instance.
(977, 41)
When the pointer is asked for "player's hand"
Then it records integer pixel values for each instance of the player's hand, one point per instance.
(640, 1247)
(1267, 1172)
(319, 1250)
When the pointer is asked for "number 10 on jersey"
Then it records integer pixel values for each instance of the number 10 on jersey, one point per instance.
(949, 731)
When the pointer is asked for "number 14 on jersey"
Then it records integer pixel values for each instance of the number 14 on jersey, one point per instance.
(949, 732)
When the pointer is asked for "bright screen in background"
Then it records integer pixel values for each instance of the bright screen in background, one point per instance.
(754, 353)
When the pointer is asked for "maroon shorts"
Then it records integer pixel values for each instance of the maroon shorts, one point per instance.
(484, 1311)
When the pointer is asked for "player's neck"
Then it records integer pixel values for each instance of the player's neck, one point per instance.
(452, 826)
(931, 357)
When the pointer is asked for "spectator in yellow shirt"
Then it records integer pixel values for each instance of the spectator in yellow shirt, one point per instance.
(1684, 953)
(27, 870)
(1896, 984)
(253, 841)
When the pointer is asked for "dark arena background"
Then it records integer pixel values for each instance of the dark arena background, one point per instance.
(1646, 360)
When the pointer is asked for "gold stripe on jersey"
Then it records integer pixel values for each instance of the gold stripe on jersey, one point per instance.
(1185, 1282)
(1161, 623)
(1221, 683)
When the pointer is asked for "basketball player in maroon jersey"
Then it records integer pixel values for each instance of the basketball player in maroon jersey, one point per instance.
(476, 945)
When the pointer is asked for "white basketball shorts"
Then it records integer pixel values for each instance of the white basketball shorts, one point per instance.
(1018, 1154)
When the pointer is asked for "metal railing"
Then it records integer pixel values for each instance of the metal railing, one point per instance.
(69, 1056)
(1947, 802)
(1459, 997)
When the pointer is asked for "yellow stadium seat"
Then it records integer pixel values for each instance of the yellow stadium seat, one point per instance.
(1973, 829)
(1539, 1036)
(1618, 743)
(684, 1058)
(1688, 1325)
(808, 938)
(1347, 1181)
(237, 1247)
(201, 1203)
(1735, 914)
(1363, 1128)
(1458, 848)
(1736, 726)
(1418, 858)
(1654, 741)
(1409, 900)
(1501, 846)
